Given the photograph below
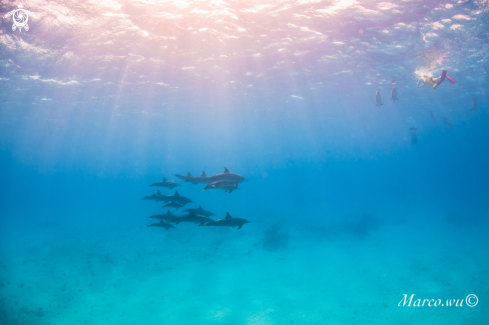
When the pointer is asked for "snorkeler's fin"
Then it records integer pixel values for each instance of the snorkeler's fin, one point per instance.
(451, 79)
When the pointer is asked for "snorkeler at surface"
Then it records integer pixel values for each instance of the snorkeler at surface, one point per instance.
(435, 82)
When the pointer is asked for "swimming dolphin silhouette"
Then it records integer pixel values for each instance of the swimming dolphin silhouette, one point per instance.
(162, 224)
(194, 179)
(173, 205)
(165, 216)
(176, 198)
(200, 211)
(227, 186)
(450, 125)
(378, 99)
(165, 183)
(204, 179)
(227, 176)
(192, 218)
(183, 177)
(414, 138)
(228, 222)
(394, 94)
(151, 197)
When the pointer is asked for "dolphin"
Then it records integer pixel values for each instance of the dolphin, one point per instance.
(394, 94)
(450, 125)
(175, 198)
(229, 222)
(157, 197)
(165, 183)
(200, 212)
(204, 179)
(184, 177)
(165, 216)
(378, 99)
(162, 224)
(192, 218)
(173, 205)
(227, 176)
(414, 138)
(151, 197)
(227, 186)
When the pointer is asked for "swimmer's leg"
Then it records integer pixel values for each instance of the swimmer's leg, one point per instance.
(443, 75)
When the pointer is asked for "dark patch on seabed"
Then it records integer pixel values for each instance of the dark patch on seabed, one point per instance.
(358, 228)
(274, 237)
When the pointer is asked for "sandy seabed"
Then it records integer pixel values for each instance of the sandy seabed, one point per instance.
(52, 274)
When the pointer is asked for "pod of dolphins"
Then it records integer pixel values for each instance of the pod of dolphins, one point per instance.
(226, 181)
(414, 139)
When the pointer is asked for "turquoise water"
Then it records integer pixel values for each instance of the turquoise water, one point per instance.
(349, 210)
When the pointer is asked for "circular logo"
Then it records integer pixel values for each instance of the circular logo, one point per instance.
(20, 18)
(471, 300)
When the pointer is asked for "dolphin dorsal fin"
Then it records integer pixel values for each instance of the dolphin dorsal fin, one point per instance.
(204, 174)
(159, 193)
(226, 170)
(176, 193)
(169, 213)
(191, 213)
(188, 174)
(164, 179)
(228, 216)
(200, 207)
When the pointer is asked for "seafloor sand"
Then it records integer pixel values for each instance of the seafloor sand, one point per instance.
(51, 274)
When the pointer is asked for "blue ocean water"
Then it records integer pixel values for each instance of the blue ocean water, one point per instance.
(351, 211)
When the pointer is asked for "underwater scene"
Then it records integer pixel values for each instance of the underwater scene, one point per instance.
(244, 162)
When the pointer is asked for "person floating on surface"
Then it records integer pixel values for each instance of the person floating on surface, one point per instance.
(435, 82)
